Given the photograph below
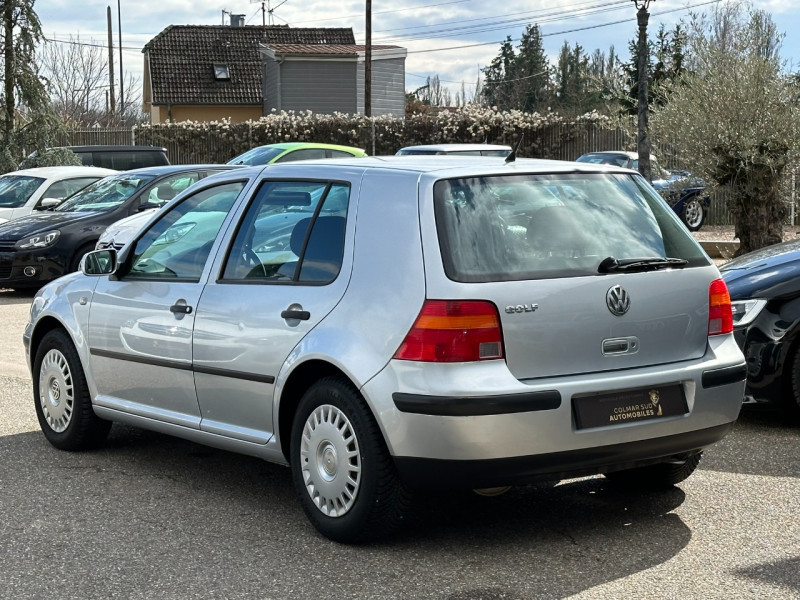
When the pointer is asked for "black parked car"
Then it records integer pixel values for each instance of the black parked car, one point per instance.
(765, 291)
(683, 192)
(43, 246)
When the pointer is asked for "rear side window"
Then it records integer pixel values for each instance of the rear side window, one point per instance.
(559, 225)
(292, 232)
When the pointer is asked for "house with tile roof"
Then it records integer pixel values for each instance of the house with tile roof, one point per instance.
(210, 72)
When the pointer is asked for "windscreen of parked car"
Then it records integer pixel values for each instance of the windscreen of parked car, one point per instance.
(257, 156)
(106, 194)
(15, 190)
(559, 225)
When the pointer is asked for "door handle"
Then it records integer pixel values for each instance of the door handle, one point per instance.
(180, 309)
(301, 315)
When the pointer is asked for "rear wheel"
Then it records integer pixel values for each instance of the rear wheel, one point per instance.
(63, 404)
(657, 477)
(341, 468)
(694, 213)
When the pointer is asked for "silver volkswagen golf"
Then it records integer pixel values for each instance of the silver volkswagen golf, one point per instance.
(386, 324)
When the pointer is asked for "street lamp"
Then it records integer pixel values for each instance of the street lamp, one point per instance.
(642, 140)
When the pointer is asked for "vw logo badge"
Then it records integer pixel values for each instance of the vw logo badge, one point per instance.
(618, 300)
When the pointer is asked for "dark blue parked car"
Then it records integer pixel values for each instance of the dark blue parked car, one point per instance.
(765, 292)
(684, 193)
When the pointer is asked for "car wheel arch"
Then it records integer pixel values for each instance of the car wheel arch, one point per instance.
(297, 383)
(43, 327)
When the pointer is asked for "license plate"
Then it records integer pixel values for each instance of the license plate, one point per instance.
(628, 406)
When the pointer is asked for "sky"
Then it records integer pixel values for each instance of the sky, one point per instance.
(453, 39)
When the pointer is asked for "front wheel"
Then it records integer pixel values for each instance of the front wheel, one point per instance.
(63, 405)
(341, 468)
(659, 476)
(694, 213)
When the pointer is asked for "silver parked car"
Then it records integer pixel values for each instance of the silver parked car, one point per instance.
(384, 324)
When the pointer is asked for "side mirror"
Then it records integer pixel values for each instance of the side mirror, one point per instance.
(49, 203)
(99, 262)
(148, 206)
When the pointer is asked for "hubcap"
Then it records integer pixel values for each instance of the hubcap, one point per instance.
(56, 392)
(694, 213)
(330, 461)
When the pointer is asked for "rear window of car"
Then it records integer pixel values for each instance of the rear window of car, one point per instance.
(553, 225)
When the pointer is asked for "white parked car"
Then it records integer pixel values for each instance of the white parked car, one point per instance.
(35, 189)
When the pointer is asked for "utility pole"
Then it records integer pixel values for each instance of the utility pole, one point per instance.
(643, 139)
(121, 77)
(368, 64)
(110, 62)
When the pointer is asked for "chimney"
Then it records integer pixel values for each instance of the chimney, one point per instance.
(237, 20)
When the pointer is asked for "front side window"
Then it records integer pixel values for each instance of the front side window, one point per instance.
(63, 189)
(178, 245)
(169, 187)
(543, 226)
(15, 190)
(106, 194)
(292, 232)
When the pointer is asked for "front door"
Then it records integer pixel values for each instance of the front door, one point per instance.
(141, 321)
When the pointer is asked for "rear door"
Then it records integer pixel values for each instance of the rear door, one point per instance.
(287, 268)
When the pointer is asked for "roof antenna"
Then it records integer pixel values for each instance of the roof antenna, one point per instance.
(513, 154)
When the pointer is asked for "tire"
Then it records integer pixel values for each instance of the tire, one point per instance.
(331, 422)
(660, 476)
(75, 263)
(61, 396)
(790, 399)
(694, 213)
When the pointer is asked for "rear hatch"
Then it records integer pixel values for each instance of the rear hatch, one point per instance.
(590, 272)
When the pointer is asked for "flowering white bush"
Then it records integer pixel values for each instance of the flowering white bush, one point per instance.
(544, 135)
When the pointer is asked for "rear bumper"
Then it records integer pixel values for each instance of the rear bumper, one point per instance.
(428, 473)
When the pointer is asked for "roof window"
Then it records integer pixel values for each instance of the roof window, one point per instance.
(222, 72)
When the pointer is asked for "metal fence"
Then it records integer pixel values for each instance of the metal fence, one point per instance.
(558, 143)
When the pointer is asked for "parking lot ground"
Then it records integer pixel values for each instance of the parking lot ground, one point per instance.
(149, 516)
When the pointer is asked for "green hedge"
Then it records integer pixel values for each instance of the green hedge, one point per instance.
(544, 135)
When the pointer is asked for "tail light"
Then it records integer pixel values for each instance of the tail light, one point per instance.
(720, 314)
(454, 331)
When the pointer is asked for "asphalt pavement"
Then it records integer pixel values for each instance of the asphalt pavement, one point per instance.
(149, 516)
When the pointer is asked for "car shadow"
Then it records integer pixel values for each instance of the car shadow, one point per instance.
(161, 506)
(784, 573)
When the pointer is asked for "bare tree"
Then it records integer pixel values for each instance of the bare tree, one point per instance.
(77, 75)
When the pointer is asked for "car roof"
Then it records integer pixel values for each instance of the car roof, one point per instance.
(167, 169)
(295, 145)
(456, 147)
(63, 171)
(114, 148)
(445, 165)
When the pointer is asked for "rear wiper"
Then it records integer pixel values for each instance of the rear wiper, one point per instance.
(613, 265)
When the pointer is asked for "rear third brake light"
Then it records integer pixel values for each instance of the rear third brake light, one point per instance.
(454, 331)
(720, 315)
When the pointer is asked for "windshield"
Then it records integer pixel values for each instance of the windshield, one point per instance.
(106, 194)
(257, 156)
(15, 190)
(559, 225)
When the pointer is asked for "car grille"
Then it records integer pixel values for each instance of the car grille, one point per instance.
(7, 245)
(5, 270)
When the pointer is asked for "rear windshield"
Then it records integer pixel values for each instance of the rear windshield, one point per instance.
(559, 225)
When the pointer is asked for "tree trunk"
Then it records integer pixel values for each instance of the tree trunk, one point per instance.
(759, 215)
(9, 72)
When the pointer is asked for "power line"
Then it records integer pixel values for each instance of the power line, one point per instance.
(664, 12)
